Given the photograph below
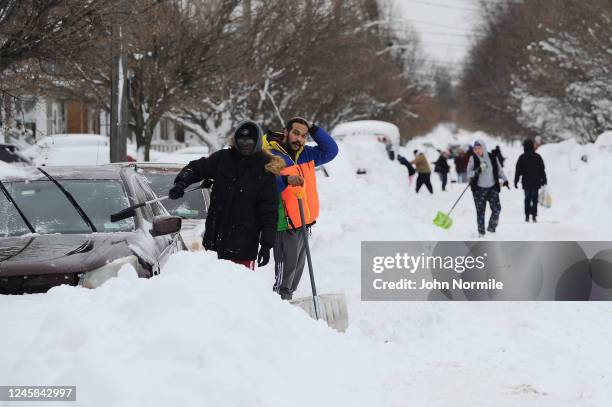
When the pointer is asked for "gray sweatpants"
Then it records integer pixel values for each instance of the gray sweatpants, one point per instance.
(289, 259)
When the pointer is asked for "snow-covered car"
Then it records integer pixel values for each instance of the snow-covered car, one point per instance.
(55, 228)
(192, 207)
(72, 149)
(184, 155)
(10, 154)
(367, 141)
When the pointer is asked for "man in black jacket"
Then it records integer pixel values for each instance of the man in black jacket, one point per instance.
(530, 166)
(442, 168)
(244, 201)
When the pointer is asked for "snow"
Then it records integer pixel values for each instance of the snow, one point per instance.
(202, 333)
(604, 139)
(76, 149)
(8, 170)
(184, 155)
(207, 332)
(368, 128)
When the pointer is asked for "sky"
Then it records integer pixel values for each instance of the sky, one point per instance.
(446, 27)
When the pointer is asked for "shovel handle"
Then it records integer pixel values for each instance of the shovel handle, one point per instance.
(308, 258)
(457, 201)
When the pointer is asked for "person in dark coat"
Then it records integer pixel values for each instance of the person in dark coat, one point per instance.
(461, 163)
(530, 167)
(442, 168)
(411, 171)
(498, 154)
(244, 201)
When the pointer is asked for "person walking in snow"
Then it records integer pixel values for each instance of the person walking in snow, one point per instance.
(411, 171)
(424, 170)
(298, 178)
(530, 167)
(484, 172)
(442, 168)
(498, 154)
(389, 148)
(461, 163)
(243, 203)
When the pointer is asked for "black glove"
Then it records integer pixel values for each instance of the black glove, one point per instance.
(506, 184)
(313, 129)
(516, 185)
(263, 257)
(207, 183)
(177, 191)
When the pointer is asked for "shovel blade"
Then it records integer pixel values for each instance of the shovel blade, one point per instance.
(443, 220)
(332, 307)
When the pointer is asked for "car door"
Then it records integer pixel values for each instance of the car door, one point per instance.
(166, 244)
(144, 221)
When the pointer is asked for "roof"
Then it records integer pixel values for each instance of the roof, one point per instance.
(63, 172)
(151, 167)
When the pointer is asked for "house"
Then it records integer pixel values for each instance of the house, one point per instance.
(47, 116)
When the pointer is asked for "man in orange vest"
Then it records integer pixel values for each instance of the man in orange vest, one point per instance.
(297, 179)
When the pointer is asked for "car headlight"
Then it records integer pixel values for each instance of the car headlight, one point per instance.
(95, 278)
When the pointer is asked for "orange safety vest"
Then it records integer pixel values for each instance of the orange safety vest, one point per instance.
(308, 193)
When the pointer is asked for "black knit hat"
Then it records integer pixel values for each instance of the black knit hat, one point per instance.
(251, 130)
(248, 130)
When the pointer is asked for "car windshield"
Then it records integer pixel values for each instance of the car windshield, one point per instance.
(49, 211)
(190, 206)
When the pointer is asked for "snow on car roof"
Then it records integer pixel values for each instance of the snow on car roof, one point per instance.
(368, 127)
(64, 172)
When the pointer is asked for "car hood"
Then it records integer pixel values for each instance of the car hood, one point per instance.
(60, 253)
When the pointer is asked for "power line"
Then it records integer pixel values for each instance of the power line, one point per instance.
(446, 44)
(434, 24)
(433, 4)
(450, 34)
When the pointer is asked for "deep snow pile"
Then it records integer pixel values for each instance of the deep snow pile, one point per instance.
(203, 333)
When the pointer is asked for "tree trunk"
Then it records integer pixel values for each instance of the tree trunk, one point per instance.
(148, 137)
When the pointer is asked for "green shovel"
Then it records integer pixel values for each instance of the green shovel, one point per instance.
(444, 220)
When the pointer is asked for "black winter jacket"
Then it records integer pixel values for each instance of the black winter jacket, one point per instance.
(530, 166)
(441, 165)
(244, 202)
(403, 161)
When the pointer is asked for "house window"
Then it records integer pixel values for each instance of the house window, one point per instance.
(179, 133)
(163, 129)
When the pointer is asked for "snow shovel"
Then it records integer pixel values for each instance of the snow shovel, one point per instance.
(329, 307)
(130, 211)
(444, 220)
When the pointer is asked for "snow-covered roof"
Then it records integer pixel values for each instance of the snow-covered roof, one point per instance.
(367, 128)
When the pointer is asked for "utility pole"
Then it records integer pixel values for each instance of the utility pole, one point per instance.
(119, 83)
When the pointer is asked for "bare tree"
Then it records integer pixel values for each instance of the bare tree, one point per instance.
(43, 30)
(174, 48)
(306, 58)
(542, 70)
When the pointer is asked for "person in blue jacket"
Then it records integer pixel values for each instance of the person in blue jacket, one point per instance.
(296, 180)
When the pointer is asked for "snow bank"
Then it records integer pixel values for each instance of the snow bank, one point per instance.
(604, 140)
(204, 332)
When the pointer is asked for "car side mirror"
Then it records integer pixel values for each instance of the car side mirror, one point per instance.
(165, 225)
